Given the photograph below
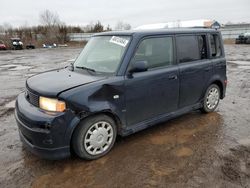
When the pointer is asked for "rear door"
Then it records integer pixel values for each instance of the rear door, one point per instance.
(154, 92)
(195, 67)
(217, 55)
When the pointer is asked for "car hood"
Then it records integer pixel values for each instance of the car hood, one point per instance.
(54, 82)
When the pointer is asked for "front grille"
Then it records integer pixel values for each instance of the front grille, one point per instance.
(32, 98)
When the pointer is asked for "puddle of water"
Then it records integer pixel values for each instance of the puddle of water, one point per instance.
(10, 104)
(242, 63)
(14, 67)
(244, 67)
(245, 142)
(160, 171)
(71, 60)
(184, 152)
(29, 75)
(20, 67)
(8, 66)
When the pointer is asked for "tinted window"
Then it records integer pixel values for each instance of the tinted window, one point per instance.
(187, 48)
(158, 52)
(215, 50)
(202, 46)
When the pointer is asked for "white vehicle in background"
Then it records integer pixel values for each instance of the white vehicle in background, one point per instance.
(54, 45)
(243, 38)
(16, 44)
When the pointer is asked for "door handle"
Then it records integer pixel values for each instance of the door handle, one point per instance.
(172, 77)
(207, 69)
(192, 71)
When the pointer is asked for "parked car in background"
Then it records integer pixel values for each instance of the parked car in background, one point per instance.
(16, 44)
(2, 45)
(243, 38)
(50, 45)
(30, 46)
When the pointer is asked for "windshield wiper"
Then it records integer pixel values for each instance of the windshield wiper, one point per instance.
(86, 68)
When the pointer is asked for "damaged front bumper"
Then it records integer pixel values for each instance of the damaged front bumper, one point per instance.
(45, 134)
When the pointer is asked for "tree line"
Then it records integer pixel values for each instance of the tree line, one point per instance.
(52, 30)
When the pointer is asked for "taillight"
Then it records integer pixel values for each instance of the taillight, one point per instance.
(225, 81)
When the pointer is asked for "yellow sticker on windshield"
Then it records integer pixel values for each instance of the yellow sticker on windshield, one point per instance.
(118, 40)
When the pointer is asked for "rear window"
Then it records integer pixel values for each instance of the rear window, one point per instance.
(188, 48)
(215, 46)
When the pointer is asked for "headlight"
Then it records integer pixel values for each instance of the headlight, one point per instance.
(51, 104)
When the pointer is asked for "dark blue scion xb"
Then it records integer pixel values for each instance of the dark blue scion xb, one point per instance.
(121, 83)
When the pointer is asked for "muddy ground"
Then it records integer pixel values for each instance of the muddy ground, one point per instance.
(194, 150)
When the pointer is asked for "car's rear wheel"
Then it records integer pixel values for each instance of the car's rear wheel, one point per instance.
(211, 99)
(94, 137)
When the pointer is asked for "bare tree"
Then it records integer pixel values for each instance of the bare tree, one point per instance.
(1, 29)
(108, 28)
(89, 27)
(120, 25)
(49, 19)
(7, 26)
(54, 30)
(98, 27)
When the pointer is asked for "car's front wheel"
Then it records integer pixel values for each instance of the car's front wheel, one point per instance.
(211, 99)
(94, 137)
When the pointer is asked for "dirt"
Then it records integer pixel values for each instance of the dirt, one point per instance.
(194, 150)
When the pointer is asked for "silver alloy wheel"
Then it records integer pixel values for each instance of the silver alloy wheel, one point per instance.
(212, 98)
(98, 138)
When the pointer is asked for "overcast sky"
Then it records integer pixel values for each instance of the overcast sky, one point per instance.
(135, 12)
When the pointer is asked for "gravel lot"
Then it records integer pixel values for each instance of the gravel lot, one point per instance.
(194, 150)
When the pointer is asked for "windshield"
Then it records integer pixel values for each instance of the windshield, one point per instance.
(103, 53)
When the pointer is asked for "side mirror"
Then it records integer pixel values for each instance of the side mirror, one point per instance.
(139, 66)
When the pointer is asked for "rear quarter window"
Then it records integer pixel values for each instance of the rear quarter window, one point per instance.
(215, 45)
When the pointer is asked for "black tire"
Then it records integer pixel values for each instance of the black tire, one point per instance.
(206, 108)
(79, 136)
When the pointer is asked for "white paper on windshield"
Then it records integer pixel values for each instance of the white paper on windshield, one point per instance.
(118, 40)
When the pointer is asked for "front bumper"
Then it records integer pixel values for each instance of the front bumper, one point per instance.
(45, 134)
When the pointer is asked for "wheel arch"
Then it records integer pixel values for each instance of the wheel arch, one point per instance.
(220, 85)
(108, 113)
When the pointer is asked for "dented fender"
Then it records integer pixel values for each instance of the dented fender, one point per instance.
(104, 96)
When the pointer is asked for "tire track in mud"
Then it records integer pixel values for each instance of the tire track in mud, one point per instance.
(236, 165)
(7, 106)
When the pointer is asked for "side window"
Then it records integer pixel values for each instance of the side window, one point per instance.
(187, 48)
(202, 46)
(215, 46)
(158, 52)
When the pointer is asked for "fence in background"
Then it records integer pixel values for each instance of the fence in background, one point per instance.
(79, 36)
(232, 31)
(228, 32)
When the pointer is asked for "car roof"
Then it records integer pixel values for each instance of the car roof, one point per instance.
(158, 31)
